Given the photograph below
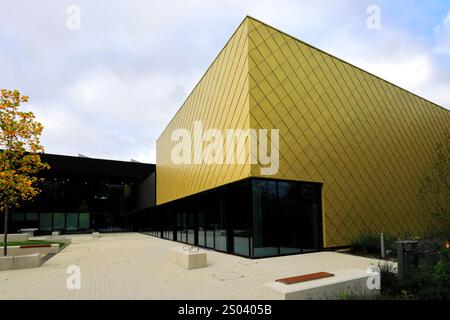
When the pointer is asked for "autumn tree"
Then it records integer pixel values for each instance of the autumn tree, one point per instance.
(19, 155)
(435, 190)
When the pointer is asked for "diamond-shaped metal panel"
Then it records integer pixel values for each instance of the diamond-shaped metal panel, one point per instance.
(365, 139)
(368, 141)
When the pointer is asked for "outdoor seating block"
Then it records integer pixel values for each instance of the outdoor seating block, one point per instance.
(188, 260)
(29, 231)
(20, 262)
(60, 239)
(15, 237)
(351, 281)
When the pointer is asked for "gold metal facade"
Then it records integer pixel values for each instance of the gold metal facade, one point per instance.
(220, 101)
(369, 142)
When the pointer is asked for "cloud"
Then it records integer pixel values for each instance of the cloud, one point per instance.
(417, 73)
(396, 56)
(442, 36)
(109, 115)
(411, 73)
(109, 89)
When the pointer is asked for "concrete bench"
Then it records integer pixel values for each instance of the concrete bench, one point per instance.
(61, 239)
(29, 231)
(15, 237)
(95, 234)
(20, 262)
(351, 281)
(56, 233)
(188, 260)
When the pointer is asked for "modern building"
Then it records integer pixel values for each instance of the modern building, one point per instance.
(82, 195)
(352, 150)
(338, 152)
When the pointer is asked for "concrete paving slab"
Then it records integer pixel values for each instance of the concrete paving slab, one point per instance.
(136, 266)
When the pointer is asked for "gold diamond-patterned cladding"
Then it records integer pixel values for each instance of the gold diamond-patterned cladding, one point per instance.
(368, 141)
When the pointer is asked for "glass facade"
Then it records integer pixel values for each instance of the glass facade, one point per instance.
(73, 206)
(252, 218)
(46, 222)
(287, 217)
(81, 195)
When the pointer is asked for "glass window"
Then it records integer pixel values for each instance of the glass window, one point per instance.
(311, 217)
(183, 224)
(167, 223)
(45, 222)
(258, 218)
(190, 229)
(210, 206)
(171, 222)
(18, 216)
(72, 221)
(201, 228)
(180, 226)
(85, 221)
(207, 208)
(265, 224)
(59, 221)
(190, 221)
(31, 216)
(220, 230)
(239, 209)
(290, 217)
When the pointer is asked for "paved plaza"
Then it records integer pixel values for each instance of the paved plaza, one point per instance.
(136, 266)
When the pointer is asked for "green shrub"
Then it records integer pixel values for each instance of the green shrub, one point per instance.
(430, 281)
(442, 274)
(442, 271)
(390, 282)
(369, 243)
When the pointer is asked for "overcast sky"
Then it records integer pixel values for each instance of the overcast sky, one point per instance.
(109, 89)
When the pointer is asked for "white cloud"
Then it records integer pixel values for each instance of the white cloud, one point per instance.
(110, 116)
(442, 35)
(109, 89)
(396, 56)
(411, 73)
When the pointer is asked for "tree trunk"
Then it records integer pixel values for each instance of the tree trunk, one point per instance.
(5, 239)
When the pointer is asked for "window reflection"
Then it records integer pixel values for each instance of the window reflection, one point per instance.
(253, 218)
(311, 216)
(290, 217)
(238, 208)
(75, 206)
(265, 221)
